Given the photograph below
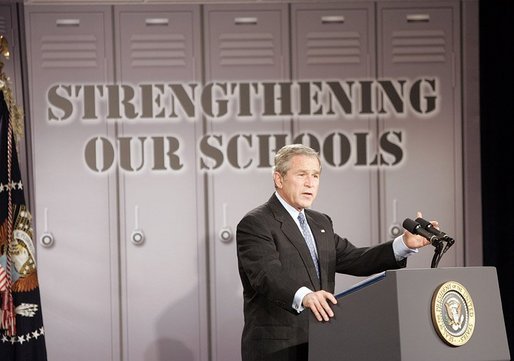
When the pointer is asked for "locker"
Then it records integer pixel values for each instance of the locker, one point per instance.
(422, 41)
(163, 279)
(336, 42)
(78, 272)
(243, 43)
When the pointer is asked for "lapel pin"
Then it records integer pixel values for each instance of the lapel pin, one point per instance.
(322, 231)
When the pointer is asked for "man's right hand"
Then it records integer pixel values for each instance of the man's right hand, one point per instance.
(317, 302)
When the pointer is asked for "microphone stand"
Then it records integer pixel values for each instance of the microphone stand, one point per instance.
(438, 253)
(440, 249)
(449, 243)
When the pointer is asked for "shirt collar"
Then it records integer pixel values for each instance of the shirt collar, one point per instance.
(289, 208)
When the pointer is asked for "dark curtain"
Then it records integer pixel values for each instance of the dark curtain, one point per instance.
(497, 144)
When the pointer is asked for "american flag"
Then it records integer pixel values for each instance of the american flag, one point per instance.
(22, 335)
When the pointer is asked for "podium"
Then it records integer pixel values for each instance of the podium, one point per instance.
(397, 316)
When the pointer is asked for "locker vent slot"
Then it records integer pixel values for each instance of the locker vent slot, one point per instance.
(341, 47)
(418, 18)
(150, 50)
(245, 21)
(68, 22)
(157, 22)
(69, 51)
(332, 19)
(419, 46)
(245, 49)
(3, 27)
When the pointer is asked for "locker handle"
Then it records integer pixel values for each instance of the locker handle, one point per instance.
(138, 236)
(395, 229)
(225, 233)
(157, 22)
(418, 18)
(67, 22)
(47, 239)
(245, 20)
(332, 19)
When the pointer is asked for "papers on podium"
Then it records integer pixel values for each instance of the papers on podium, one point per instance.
(364, 283)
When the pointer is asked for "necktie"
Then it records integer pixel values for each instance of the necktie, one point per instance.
(309, 240)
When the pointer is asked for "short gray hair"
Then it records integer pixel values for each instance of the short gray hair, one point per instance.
(284, 155)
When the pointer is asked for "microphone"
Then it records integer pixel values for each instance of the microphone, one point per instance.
(440, 235)
(430, 227)
(415, 228)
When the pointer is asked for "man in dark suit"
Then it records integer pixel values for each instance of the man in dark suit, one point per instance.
(288, 256)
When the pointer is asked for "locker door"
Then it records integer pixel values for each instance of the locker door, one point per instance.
(243, 43)
(335, 42)
(78, 273)
(164, 306)
(421, 42)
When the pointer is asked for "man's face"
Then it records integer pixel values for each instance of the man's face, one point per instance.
(299, 186)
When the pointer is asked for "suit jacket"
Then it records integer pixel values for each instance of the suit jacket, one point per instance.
(274, 262)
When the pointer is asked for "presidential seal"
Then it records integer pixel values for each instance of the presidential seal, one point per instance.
(453, 313)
